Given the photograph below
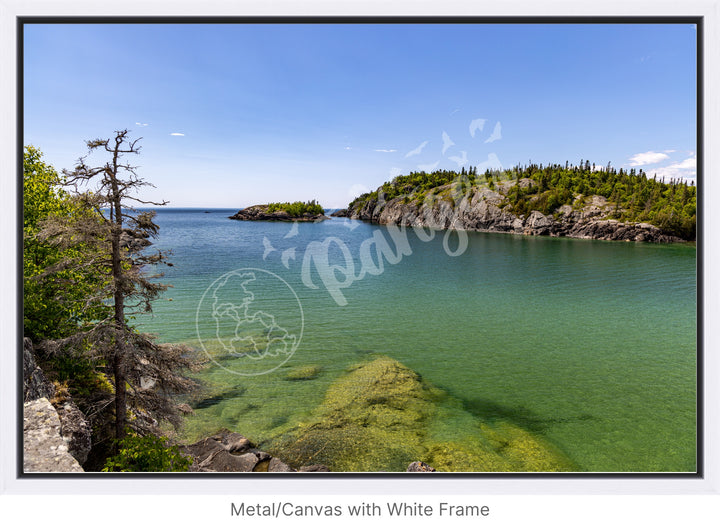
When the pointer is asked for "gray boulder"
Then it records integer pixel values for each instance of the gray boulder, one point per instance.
(74, 426)
(276, 465)
(202, 450)
(224, 461)
(314, 468)
(227, 451)
(235, 443)
(419, 466)
(44, 449)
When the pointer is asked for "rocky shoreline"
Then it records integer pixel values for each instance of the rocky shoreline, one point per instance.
(57, 437)
(261, 213)
(483, 211)
(228, 451)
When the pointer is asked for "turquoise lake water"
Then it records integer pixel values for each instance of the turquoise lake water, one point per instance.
(588, 344)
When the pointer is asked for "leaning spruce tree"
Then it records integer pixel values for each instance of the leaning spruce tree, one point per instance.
(146, 375)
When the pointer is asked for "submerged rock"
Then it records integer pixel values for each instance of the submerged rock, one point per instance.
(186, 409)
(381, 415)
(307, 372)
(216, 398)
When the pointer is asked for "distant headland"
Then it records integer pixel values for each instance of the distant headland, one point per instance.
(573, 201)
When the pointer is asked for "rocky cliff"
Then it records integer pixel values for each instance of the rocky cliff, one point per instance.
(57, 436)
(44, 449)
(485, 210)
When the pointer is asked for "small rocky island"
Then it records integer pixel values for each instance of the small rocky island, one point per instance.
(297, 211)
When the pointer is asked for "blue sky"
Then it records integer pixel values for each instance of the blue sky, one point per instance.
(233, 115)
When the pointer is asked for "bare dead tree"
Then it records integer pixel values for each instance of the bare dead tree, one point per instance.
(146, 375)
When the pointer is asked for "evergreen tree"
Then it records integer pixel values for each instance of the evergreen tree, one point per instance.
(146, 375)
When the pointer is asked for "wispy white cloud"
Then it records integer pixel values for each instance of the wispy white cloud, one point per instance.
(417, 150)
(177, 134)
(648, 157)
(456, 110)
(447, 143)
(685, 170)
(477, 125)
(386, 150)
(141, 124)
(394, 172)
(496, 134)
(348, 148)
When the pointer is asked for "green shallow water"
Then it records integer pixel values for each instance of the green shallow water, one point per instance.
(589, 345)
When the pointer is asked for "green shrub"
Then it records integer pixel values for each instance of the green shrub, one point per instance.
(147, 453)
(297, 209)
(82, 377)
(54, 298)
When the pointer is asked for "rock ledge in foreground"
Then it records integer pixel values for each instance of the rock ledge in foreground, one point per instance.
(44, 449)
